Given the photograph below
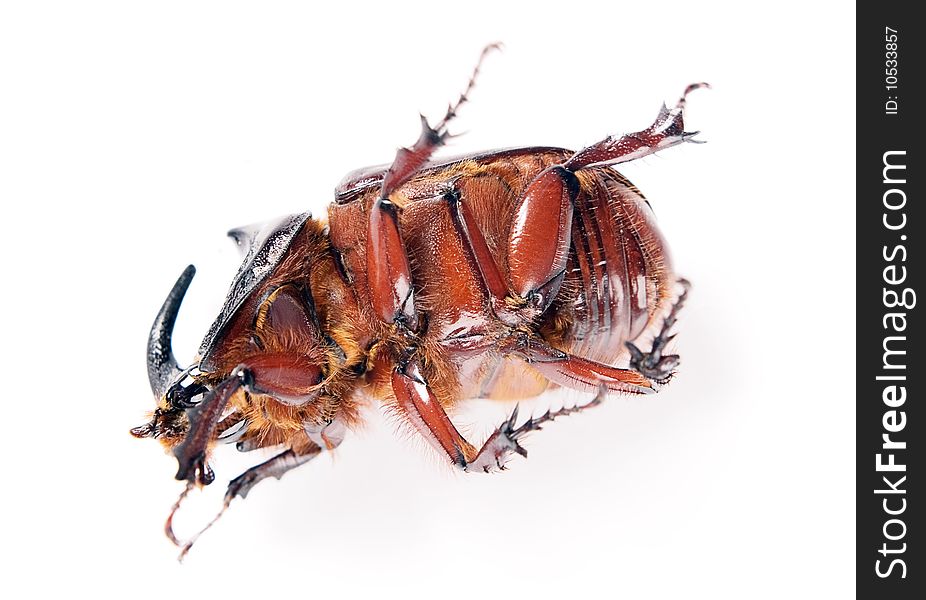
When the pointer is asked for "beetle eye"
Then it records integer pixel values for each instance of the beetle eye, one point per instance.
(287, 313)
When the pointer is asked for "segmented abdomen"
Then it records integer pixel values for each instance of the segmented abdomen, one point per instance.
(618, 274)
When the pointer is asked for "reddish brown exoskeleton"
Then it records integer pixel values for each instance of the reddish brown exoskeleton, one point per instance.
(492, 275)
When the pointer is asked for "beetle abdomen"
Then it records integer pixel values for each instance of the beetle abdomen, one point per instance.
(618, 271)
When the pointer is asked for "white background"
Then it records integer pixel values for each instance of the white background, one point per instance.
(132, 136)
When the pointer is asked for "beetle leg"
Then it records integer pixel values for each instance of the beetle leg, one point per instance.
(289, 378)
(654, 364)
(387, 264)
(494, 286)
(566, 370)
(495, 452)
(417, 402)
(668, 130)
(276, 467)
(539, 240)
(204, 418)
(575, 372)
(388, 272)
(408, 161)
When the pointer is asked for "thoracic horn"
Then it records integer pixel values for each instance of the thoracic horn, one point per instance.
(162, 366)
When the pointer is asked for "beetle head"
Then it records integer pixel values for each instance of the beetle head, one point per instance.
(268, 326)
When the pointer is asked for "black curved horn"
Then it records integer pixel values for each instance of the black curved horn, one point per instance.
(162, 366)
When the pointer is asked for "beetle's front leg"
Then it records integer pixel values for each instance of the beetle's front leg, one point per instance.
(239, 487)
(290, 378)
(204, 418)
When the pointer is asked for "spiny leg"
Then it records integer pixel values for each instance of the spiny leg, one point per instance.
(568, 371)
(540, 237)
(572, 371)
(653, 364)
(278, 375)
(417, 403)
(562, 368)
(290, 376)
(204, 419)
(408, 161)
(505, 440)
(668, 130)
(275, 467)
(239, 487)
(388, 270)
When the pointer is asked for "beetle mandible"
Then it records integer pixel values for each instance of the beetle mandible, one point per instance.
(493, 275)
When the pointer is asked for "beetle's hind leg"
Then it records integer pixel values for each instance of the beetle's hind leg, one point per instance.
(654, 364)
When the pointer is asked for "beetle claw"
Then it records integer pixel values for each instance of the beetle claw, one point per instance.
(635, 353)
(688, 136)
(653, 365)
